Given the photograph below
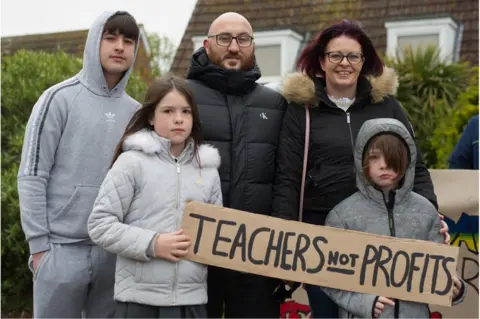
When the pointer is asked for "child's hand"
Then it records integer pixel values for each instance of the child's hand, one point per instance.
(457, 287)
(172, 246)
(444, 230)
(380, 305)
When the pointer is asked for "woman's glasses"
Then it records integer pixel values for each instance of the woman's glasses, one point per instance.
(337, 57)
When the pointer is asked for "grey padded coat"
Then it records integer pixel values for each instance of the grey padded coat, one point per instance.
(144, 194)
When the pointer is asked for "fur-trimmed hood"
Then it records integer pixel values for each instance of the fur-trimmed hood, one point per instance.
(299, 88)
(149, 142)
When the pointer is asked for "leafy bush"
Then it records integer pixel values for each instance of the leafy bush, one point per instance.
(25, 76)
(450, 128)
(428, 90)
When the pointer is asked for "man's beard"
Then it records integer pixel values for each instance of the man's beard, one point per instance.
(245, 64)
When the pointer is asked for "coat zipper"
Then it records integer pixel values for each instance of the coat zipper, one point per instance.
(177, 207)
(391, 225)
(351, 140)
(350, 129)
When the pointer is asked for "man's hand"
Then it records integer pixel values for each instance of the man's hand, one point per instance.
(444, 230)
(36, 259)
(172, 246)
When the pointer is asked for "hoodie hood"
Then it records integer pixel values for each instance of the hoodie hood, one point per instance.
(370, 129)
(91, 74)
(226, 81)
(299, 88)
(149, 142)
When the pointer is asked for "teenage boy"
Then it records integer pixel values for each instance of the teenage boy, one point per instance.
(68, 145)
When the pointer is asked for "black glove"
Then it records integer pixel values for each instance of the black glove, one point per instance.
(281, 293)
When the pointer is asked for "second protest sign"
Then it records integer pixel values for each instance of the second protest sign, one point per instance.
(384, 266)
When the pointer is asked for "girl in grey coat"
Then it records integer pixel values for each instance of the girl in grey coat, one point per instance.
(158, 166)
(385, 204)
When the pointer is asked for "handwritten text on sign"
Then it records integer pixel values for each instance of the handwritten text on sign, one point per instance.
(398, 268)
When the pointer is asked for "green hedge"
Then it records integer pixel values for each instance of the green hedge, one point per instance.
(428, 90)
(25, 76)
(449, 130)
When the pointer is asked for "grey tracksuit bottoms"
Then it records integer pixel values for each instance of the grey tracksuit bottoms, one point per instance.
(73, 281)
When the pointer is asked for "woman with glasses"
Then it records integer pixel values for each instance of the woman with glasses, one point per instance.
(343, 84)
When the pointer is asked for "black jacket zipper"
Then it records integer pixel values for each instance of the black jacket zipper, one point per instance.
(350, 129)
(391, 225)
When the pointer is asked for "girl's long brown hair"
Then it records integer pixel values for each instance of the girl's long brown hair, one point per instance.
(155, 93)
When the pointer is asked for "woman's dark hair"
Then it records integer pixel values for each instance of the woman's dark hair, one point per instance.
(309, 63)
(122, 23)
(394, 150)
(155, 93)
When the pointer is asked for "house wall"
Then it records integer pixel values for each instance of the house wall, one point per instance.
(309, 17)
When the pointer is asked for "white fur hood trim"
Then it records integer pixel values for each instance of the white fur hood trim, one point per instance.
(209, 156)
(146, 141)
(149, 142)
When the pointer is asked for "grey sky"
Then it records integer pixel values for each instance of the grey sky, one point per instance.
(166, 17)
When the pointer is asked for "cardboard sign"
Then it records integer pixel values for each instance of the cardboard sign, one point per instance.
(399, 268)
(457, 194)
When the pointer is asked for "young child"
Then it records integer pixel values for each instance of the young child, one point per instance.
(385, 204)
(68, 146)
(158, 166)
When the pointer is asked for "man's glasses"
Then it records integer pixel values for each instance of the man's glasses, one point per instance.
(337, 57)
(225, 39)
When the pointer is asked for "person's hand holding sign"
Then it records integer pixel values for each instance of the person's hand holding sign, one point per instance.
(457, 288)
(380, 305)
(444, 230)
(172, 246)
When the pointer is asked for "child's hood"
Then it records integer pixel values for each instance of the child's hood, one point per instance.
(91, 74)
(149, 142)
(369, 130)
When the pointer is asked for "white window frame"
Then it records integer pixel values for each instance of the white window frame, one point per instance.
(445, 27)
(288, 40)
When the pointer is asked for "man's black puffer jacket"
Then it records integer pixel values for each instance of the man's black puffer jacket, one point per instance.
(242, 119)
(330, 169)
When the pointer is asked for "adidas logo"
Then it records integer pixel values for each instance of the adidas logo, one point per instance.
(110, 117)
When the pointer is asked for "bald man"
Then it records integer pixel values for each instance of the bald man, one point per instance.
(242, 119)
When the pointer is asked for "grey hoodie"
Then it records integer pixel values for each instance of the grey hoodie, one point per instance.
(144, 194)
(68, 145)
(413, 215)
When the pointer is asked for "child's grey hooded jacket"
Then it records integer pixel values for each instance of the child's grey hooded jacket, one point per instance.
(68, 146)
(144, 194)
(412, 215)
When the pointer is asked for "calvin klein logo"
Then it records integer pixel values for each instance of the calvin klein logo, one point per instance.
(264, 116)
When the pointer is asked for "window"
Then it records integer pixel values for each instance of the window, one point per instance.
(275, 51)
(445, 33)
(269, 59)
